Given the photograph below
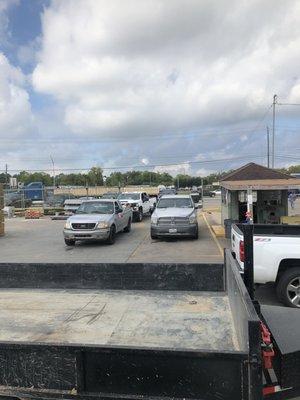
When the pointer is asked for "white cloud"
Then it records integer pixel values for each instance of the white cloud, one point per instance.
(183, 168)
(15, 109)
(155, 66)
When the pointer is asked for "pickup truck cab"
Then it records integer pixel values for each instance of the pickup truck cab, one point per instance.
(97, 220)
(175, 215)
(139, 202)
(276, 258)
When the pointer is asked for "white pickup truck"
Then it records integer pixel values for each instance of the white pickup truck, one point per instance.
(276, 251)
(140, 203)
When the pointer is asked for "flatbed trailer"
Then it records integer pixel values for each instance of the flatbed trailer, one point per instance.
(138, 331)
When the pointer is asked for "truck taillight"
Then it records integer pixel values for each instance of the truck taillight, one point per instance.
(242, 251)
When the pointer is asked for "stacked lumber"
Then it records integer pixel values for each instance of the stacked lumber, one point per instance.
(33, 213)
(1, 210)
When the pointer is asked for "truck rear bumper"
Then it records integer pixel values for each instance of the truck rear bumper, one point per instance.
(99, 234)
(174, 230)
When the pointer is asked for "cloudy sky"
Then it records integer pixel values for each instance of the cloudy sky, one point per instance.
(173, 85)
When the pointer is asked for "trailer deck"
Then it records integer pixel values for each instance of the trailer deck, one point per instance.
(128, 331)
(158, 319)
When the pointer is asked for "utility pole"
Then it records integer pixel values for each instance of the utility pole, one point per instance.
(273, 133)
(268, 146)
(53, 170)
(202, 192)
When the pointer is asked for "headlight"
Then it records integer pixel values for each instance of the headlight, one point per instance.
(68, 225)
(154, 220)
(102, 225)
(193, 219)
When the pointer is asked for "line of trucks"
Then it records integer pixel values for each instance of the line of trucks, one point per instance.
(101, 219)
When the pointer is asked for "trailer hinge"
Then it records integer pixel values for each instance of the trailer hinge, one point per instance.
(266, 346)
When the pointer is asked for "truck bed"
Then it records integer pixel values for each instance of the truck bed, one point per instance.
(157, 319)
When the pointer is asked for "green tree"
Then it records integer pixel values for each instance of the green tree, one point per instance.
(95, 176)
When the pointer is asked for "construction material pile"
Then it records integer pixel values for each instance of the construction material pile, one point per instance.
(34, 213)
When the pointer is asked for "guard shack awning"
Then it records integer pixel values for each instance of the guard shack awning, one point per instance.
(263, 184)
(262, 189)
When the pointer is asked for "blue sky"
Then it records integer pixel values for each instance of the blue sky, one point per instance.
(147, 84)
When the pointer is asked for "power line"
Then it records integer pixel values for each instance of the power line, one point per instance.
(288, 104)
(242, 157)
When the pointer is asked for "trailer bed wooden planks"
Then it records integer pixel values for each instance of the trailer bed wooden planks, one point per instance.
(152, 319)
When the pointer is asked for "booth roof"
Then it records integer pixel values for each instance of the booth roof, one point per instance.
(262, 184)
(254, 172)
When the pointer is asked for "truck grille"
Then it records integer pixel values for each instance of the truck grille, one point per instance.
(173, 221)
(84, 226)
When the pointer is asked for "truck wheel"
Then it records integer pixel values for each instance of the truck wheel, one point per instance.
(288, 288)
(153, 236)
(196, 235)
(112, 235)
(128, 227)
(140, 215)
(70, 242)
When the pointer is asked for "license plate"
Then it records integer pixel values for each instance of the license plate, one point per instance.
(173, 230)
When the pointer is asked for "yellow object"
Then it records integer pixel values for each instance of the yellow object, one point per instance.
(218, 230)
(290, 220)
(213, 235)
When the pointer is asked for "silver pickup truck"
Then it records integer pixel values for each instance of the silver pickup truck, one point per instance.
(175, 215)
(97, 220)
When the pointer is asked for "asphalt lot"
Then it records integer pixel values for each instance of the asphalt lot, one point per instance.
(42, 241)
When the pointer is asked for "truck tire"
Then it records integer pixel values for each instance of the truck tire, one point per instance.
(288, 288)
(153, 236)
(196, 235)
(112, 235)
(139, 217)
(70, 242)
(128, 227)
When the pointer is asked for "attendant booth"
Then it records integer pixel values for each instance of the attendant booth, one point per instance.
(259, 190)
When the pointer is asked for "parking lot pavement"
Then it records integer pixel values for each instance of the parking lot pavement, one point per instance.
(203, 250)
(42, 241)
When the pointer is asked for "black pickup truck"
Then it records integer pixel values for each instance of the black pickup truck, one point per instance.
(142, 331)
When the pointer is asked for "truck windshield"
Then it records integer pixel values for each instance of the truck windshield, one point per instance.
(129, 196)
(110, 196)
(176, 202)
(102, 207)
